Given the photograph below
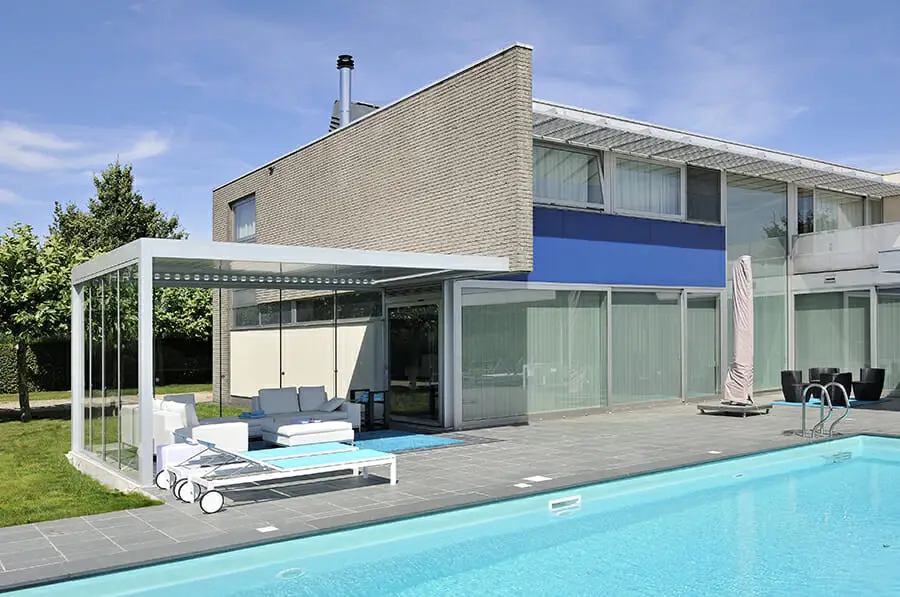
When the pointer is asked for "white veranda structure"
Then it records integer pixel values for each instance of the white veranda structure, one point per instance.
(112, 324)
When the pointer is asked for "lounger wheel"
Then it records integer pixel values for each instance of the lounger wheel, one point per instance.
(211, 502)
(177, 489)
(187, 492)
(163, 480)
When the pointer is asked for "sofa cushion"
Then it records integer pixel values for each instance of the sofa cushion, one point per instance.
(278, 401)
(312, 398)
(332, 405)
(186, 412)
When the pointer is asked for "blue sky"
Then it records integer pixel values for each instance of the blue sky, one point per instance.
(195, 92)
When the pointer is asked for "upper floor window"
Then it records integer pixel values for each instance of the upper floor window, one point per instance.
(648, 187)
(244, 219)
(565, 176)
(819, 210)
(704, 194)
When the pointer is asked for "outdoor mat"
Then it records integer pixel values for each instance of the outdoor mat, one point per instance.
(391, 440)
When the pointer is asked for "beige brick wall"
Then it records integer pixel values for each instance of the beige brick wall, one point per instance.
(446, 170)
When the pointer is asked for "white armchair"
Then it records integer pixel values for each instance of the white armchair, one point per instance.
(176, 415)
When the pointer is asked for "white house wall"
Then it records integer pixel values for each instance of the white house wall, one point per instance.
(307, 357)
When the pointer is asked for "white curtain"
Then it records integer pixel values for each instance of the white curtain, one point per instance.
(245, 219)
(569, 176)
(646, 346)
(648, 188)
(838, 211)
(888, 340)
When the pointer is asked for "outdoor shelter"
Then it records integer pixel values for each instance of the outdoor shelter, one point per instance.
(113, 327)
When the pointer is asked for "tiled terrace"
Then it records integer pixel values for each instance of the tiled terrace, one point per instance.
(569, 452)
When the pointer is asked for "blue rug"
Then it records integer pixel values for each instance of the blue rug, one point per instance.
(815, 402)
(401, 441)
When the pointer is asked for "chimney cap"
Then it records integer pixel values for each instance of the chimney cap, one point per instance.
(345, 61)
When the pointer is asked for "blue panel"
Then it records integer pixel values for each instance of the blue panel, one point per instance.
(581, 247)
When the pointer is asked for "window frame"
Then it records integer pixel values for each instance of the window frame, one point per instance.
(682, 202)
(867, 202)
(602, 166)
(243, 201)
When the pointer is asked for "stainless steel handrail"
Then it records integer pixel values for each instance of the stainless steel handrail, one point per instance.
(846, 406)
(826, 397)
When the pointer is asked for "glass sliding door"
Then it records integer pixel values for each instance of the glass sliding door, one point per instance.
(702, 343)
(889, 338)
(757, 226)
(832, 330)
(646, 346)
(414, 361)
(530, 351)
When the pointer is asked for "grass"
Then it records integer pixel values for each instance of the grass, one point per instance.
(37, 483)
(210, 410)
(66, 394)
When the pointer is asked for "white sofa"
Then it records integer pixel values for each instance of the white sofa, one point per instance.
(176, 414)
(281, 405)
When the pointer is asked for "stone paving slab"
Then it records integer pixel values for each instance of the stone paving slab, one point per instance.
(568, 452)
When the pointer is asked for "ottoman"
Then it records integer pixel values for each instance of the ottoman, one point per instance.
(287, 433)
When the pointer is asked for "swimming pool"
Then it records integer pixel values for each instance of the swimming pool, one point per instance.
(822, 519)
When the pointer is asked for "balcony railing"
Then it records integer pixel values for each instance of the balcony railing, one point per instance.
(836, 250)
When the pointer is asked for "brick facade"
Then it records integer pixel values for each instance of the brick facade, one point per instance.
(445, 170)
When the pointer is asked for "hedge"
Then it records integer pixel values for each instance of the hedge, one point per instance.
(177, 361)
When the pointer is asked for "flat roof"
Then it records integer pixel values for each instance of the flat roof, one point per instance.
(579, 127)
(204, 264)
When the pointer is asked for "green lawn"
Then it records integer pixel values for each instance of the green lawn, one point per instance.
(210, 410)
(37, 483)
(66, 394)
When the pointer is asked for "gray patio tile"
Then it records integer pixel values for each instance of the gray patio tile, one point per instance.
(23, 577)
(30, 558)
(63, 527)
(14, 547)
(144, 538)
(96, 548)
(19, 533)
(61, 541)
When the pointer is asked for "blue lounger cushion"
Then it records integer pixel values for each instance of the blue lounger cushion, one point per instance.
(293, 451)
(326, 459)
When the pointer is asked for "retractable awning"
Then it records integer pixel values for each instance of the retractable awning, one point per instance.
(248, 265)
(575, 126)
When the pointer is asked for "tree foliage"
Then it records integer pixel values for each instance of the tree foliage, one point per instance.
(115, 216)
(118, 215)
(34, 294)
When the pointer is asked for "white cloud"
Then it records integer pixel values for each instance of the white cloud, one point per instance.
(8, 197)
(30, 150)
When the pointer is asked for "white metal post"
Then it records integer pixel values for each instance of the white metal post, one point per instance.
(145, 367)
(792, 230)
(873, 327)
(77, 371)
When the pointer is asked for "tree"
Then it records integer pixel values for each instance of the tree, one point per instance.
(118, 215)
(34, 296)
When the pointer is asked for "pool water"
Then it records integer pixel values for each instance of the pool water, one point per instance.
(819, 520)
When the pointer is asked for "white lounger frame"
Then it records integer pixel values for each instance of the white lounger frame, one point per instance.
(199, 478)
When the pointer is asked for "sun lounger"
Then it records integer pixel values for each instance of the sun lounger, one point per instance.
(735, 409)
(199, 479)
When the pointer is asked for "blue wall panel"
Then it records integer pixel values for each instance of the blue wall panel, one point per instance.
(583, 247)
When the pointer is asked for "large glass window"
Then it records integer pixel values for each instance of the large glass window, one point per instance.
(646, 346)
(820, 210)
(702, 343)
(567, 176)
(245, 219)
(531, 351)
(757, 226)
(831, 329)
(876, 211)
(888, 339)
(648, 188)
(704, 194)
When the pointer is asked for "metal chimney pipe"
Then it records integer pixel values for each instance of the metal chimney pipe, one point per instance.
(345, 65)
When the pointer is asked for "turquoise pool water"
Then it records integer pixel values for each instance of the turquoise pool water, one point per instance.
(814, 521)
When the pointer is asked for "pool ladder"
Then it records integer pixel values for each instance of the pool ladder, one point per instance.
(818, 430)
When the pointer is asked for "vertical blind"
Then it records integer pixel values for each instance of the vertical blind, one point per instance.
(648, 188)
(888, 339)
(646, 346)
(702, 345)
